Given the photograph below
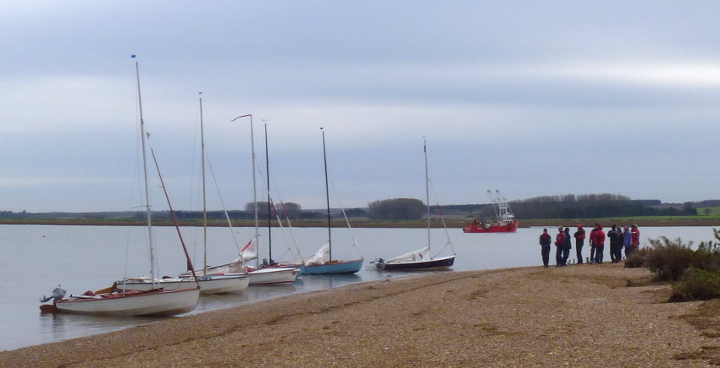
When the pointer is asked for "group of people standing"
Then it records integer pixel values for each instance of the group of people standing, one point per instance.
(627, 238)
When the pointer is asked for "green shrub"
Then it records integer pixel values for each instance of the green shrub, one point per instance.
(696, 284)
(669, 259)
(637, 258)
(695, 273)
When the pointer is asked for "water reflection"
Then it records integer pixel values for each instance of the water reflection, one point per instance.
(320, 282)
(59, 325)
(252, 294)
(211, 302)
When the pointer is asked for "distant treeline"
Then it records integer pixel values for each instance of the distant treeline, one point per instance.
(591, 206)
(397, 209)
(181, 215)
(545, 207)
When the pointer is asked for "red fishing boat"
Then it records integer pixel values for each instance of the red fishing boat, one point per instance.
(505, 223)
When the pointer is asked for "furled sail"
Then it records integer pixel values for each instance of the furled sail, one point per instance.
(418, 255)
(249, 252)
(321, 257)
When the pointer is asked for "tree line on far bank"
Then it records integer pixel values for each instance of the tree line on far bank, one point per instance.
(544, 207)
(595, 206)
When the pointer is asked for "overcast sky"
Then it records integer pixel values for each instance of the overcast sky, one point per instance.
(531, 98)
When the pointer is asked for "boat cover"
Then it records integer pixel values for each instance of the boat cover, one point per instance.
(321, 257)
(418, 255)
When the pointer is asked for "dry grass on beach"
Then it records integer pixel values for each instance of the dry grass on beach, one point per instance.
(581, 316)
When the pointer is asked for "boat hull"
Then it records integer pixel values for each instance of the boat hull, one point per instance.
(432, 264)
(151, 303)
(334, 268)
(494, 228)
(209, 285)
(272, 276)
(224, 284)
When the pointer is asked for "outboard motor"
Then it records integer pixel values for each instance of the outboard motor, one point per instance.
(380, 264)
(57, 294)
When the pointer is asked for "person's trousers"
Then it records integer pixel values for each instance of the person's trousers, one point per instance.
(578, 250)
(599, 254)
(545, 252)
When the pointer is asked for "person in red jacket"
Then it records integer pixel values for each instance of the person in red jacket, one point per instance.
(592, 245)
(560, 246)
(635, 237)
(598, 239)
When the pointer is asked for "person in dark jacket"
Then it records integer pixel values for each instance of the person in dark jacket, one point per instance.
(579, 242)
(545, 243)
(598, 239)
(616, 241)
(559, 247)
(567, 246)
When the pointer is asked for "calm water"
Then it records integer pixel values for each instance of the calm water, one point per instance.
(35, 259)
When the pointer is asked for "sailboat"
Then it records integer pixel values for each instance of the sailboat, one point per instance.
(294, 262)
(322, 262)
(421, 259)
(211, 281)
(120, 302)
(263, 275)
(215, 282)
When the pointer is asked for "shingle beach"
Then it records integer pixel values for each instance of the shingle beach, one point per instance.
(579, 316)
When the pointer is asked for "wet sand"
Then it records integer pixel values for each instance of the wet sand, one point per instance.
(586, 316)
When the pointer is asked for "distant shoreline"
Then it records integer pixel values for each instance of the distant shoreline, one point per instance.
(365, 223)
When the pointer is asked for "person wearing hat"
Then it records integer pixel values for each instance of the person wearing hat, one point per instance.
(545, 242)
(579, 242)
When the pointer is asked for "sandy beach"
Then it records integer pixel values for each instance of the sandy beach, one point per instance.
(586, 316)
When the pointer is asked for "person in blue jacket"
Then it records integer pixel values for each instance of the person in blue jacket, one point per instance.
(627, 241)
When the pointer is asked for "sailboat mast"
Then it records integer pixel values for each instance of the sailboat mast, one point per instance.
(252, 146)
(175, 222)
(427, 190)
(267, 179)
(145, 174)
(327, 197)
(202, 157)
